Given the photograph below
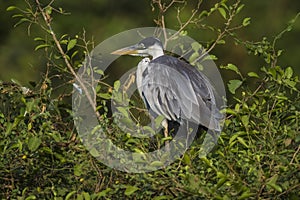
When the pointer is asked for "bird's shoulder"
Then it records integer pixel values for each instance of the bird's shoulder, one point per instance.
(181, 66)
(199, 81)
(169, 61)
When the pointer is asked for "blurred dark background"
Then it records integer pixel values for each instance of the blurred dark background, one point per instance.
(103, 18)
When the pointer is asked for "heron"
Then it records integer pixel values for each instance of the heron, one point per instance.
(172, 87)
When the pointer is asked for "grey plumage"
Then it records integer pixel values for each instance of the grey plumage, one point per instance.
(176, 90)
(172, 87)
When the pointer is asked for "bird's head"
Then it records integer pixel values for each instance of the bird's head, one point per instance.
(149, 46)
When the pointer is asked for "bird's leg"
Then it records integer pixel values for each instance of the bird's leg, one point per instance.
(166, 133)
(187, 134)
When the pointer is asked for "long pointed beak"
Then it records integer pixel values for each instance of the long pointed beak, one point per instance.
(131, 50)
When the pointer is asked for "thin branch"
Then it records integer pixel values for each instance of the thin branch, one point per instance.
(184, 25)
(161, 19)
(47, 20)
(222, 34)
(295, 154)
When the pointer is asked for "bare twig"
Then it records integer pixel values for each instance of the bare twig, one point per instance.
(161, 19)
(295, 154)
(188, 21)
(47, 20)
(223, 33)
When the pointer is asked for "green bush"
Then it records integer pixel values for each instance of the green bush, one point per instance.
(257, 156)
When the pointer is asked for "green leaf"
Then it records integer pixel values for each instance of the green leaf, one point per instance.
(288, 73)
(183, 33)
(203, 14)
(105, 95)
(130, 190)
(148, 130)
(221, 182)
(48, 10)
(71, 44)
(196, 46)
(245, 120)
(291, 83)
(231, 67)
(70, 194)
(103, 193)
(29, 126)
(272, 183)
(79, 197)
(34, 143)
(117, 85)
(77, 170)
(74, 54)
(86, 196)
(193, 57)
(63, 41)
(221, 42)
(157, 163)
(186, 159)
(242, 141)
(10, 8)
(239, 8)
(246, 195)
(210, 57)
(21, 21)
(158, 120)
(94, 152)
(99, 71)
(123, 111)
(253, 74)
(222, 12)
(39, 39)
(233, 85)
(246, 21)
(41, 46)
(30, 197)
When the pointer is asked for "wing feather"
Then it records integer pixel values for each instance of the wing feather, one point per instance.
(177, 90)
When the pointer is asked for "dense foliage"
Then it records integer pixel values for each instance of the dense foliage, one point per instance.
(257, 156)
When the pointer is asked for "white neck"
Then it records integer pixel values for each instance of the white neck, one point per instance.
(155, 51)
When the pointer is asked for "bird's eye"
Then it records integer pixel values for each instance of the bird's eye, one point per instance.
(142, 45)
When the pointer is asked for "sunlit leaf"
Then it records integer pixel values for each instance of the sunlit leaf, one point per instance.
(130, 190)
(221, 42)
(70, 194)
(239, 8)
(123, 111)
(253, 74)
(245, 120)
(246, 21)
(117, 85)
(222, 12)
(34, 143)
(196, 46)
(272, 183)
(242, 141)
(71, 44)
(233, 85)
(94, 152)
(105, 95)
(231, 67)
(288, 72)
(41, 46)
(157, 163)
(10, 8)
(86, 196)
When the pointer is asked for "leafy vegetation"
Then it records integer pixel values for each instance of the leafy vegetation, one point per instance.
(257, 156)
